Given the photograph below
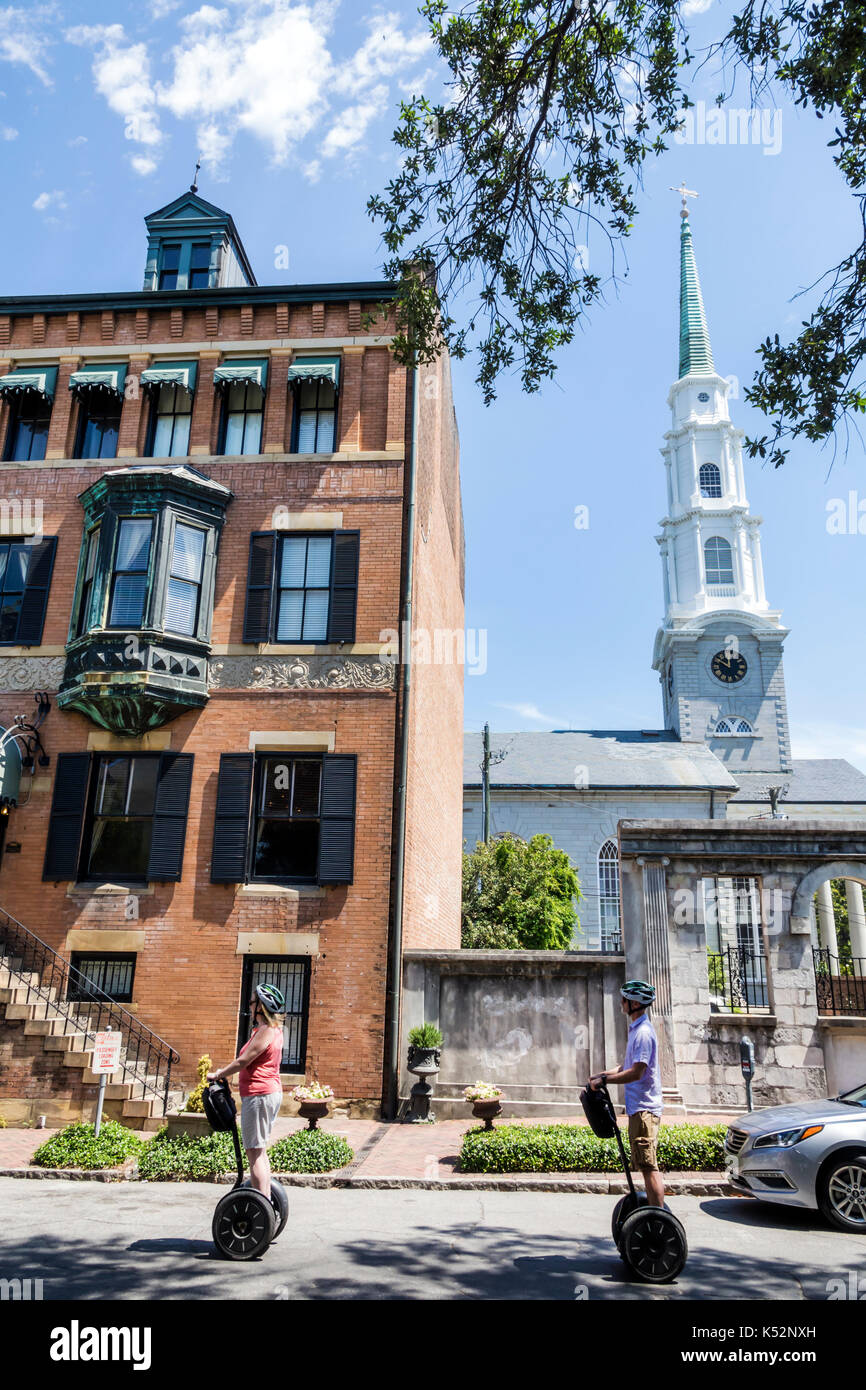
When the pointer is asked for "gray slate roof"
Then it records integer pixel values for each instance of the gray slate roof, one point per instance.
(826, 780)
(617, 758)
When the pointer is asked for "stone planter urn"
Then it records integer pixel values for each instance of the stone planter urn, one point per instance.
(423, 1062)
(487, 1110)
(313, 1111)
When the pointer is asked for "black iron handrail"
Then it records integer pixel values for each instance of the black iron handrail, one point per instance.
(738, 978)
(146, 1059)
(840, 984)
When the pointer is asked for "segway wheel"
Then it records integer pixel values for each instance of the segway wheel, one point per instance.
(653, 1243)
(279, 1202)
(243, 1224)
(624, 1207)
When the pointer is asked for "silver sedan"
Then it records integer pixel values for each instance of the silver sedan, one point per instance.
(809, 1155)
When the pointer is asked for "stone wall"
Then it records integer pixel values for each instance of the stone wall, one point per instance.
(534, 1022)
(798, 1055)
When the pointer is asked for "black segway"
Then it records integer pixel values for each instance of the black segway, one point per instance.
(651, 1240)
(245, 1222)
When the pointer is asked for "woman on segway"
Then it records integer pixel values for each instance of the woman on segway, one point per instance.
(258, 1068)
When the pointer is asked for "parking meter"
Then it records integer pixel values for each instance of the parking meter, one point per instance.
(747, 1066)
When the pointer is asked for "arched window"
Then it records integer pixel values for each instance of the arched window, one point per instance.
(608, 896)
(710, 480)
(718, 561)
(733, 727)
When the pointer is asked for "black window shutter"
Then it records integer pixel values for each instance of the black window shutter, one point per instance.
(231, 826)
(344, 587)
(337, 818)
(169, 817)
(31, 619)
(67, 816)
(260, 579)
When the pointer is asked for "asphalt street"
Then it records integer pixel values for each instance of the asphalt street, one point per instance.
(152, 1241)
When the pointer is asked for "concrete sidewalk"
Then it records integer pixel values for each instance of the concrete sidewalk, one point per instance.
(403, 1155)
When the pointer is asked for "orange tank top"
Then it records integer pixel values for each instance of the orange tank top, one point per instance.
(262, 1076)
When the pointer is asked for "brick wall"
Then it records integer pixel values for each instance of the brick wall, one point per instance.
(188, 973)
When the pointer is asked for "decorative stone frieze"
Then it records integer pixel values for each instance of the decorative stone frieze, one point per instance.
(301, 673)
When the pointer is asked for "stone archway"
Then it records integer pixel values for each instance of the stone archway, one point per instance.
(812, 881)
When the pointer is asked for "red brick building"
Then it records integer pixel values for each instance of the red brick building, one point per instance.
(217, 501)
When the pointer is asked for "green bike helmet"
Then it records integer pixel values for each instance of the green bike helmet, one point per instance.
(639, 992)
(272, 998)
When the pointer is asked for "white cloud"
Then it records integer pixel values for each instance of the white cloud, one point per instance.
(528, 711)
(261, 67)
(160, 8)
(9, 132)
(76, 141)
(57, 199)
(351, 125)
(693, 7)
(121, 72)
(22, 37)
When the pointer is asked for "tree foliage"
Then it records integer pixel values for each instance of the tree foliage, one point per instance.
(553, 108)
(519, 895)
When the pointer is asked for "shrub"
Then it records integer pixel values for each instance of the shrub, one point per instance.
(194, 1100)
(77, 1146)
(425, 1035)
(310, 1151)
(575, 1149)
(189, 1156)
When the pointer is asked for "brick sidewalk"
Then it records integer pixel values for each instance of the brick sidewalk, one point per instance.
(382, 1151)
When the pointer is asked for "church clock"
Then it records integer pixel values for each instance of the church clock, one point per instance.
(728, 669)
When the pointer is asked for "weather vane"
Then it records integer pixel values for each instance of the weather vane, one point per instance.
(193, 188)
(684, 193)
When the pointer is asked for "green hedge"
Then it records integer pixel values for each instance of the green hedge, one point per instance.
(191, 1158)
(310, 1151)
(76, 1146)
(187, 1156)
(575, 1149)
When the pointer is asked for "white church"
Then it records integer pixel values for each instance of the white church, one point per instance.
(725, 748)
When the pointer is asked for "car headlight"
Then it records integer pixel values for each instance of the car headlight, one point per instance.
(786, 1138)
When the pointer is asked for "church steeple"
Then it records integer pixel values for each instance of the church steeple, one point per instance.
(719, 650)
(696, 354)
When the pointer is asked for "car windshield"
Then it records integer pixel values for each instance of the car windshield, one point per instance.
(855, 1097)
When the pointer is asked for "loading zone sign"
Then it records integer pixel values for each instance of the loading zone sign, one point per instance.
(106, 1052)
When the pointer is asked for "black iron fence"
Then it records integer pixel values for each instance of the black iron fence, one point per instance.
(79, 1006)
(738, 981)
(840, 984)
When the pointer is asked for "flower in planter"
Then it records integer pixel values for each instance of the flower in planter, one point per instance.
(482, 1090)
(313, 1090)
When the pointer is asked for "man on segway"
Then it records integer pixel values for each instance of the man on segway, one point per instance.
(641, 1077)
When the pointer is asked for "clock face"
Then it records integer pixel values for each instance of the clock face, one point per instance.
(729, 669)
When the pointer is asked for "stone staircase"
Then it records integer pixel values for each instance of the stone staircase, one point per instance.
(68, 1027)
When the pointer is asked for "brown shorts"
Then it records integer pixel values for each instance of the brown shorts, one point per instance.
(643, 1133)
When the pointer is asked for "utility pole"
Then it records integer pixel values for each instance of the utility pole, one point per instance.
(485, 786)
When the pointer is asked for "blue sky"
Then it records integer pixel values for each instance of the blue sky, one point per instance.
(104, 109)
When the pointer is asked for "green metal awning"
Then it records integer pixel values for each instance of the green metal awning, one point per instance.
(171, 374)
(42, 380)
(10, 770)
(235, 371)
(102, 378)
(315, 369)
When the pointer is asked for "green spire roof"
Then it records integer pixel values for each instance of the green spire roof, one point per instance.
(696, 355)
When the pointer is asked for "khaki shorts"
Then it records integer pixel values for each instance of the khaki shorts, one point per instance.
(643, 1133)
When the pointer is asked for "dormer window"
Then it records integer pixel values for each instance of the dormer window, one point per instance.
(199, 265)
(169, 268)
